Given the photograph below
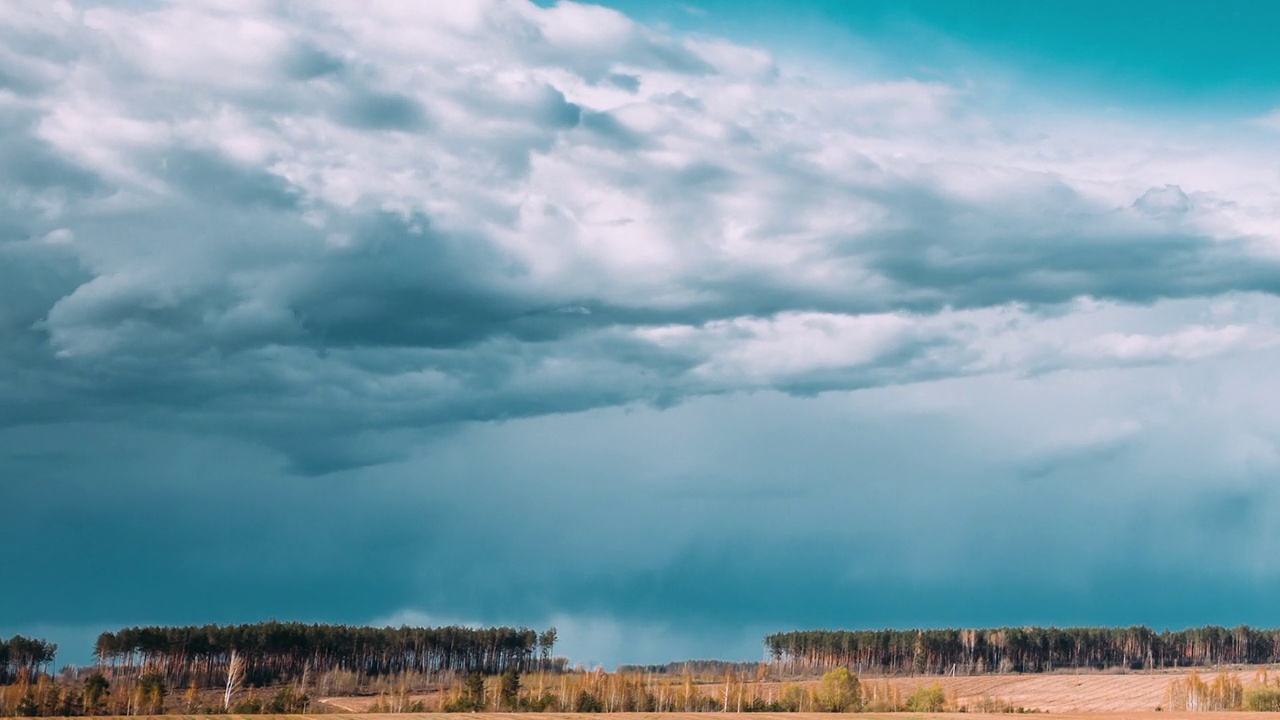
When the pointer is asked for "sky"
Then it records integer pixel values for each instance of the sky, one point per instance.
(667, 324)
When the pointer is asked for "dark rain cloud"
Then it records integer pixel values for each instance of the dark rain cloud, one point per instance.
(208, 263)
(718, 520)
(1049, 251)
(487, 316)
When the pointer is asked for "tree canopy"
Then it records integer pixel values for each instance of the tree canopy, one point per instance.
(20, 653)
(1021, 649)
(274, 651)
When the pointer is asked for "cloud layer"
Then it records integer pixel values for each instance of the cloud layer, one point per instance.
(345, 222)
(244, 243)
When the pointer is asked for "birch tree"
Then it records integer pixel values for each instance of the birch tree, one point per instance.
(235, 674)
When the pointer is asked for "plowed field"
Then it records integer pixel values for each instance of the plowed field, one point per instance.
(1052, 693)
(1063, 693)
(1134, 715)
(1148, 715)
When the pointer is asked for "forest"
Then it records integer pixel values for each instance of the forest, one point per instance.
(19, 655)
(1024, 650)
(273, 652)
(287, 667)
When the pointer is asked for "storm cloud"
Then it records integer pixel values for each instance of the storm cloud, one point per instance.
(450, 275)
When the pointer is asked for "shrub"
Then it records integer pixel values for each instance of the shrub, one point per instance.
(794, 698)
(1262, 699)
(927, 699)
(587, 703)
(249, 706)
(27, 706)
(840, 691)
(1193, 693)
(286, 702)
(541, 703)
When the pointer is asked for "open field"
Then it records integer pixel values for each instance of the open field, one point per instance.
(1135, 715)
(1048, 692)
(1065, 693)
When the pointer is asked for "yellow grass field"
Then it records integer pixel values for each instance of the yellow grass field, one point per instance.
(1053, 693)
(1136, 715)
(1131, 715)
(1065, 694)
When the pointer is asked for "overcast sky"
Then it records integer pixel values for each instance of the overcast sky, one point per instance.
(669, 324)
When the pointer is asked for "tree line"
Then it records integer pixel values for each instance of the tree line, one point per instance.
(743, 687)
(539, 691)
(274, 652)
(1024, 649)
(21, 654)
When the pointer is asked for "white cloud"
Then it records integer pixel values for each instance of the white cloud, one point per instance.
(1270, 121)
(374, 194)
(757, 350)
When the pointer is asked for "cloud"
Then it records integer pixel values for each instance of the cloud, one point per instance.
(320, 228)
(1270, 121)
(652, 534)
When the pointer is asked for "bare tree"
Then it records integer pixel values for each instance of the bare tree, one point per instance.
(235, 674)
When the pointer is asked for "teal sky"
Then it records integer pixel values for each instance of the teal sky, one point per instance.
(1139, 51)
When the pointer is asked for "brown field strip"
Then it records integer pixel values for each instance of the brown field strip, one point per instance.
(1063, 693)
(1146, 715)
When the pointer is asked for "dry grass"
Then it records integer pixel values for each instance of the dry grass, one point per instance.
(1144, 715)
(1052, 693)
(1106, 715)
